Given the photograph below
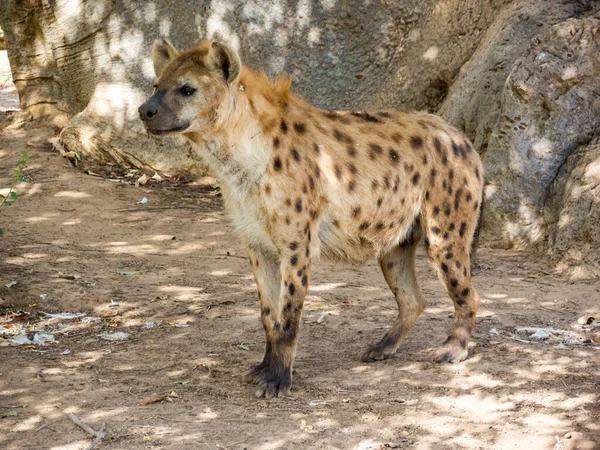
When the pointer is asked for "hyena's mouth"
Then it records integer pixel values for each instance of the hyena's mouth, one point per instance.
(158, 131)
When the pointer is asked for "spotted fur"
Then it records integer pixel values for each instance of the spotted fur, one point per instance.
(302, 183)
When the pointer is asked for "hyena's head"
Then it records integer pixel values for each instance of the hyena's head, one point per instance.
(191, 87)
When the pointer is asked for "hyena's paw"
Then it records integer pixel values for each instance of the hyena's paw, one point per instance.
(454, 350)
(378, 352)
(253, 376)
(273, 379)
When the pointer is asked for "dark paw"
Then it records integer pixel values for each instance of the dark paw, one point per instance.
(272, 388)
(377, 353)
(452, 351)
(255, 374)
(273, 380)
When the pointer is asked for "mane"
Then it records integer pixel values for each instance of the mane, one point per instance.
(277, 92)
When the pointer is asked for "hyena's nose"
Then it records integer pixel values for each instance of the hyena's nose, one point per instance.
(147, 112)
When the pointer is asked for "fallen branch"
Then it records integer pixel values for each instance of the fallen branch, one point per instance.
(99, 435)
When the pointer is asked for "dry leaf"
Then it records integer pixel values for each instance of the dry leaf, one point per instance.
(19, 315)
(154, 398)
(110, 314)
(142, 180)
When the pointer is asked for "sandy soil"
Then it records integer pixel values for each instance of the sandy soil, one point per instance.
(188, 274)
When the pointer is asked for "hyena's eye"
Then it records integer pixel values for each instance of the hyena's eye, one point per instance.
(187, 90)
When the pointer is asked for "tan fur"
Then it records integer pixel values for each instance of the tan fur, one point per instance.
(300, 182)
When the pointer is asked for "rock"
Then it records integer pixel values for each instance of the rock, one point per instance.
(574, 215)
(527, 100)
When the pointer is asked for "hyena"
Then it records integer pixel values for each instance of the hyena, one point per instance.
(300, 182)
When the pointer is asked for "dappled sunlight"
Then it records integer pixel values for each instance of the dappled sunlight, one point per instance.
(325, 286)
(72, 194)
(184, 292)
(75, 445)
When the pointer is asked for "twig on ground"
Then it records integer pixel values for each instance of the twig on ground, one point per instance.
(84, 426)
(99, 435)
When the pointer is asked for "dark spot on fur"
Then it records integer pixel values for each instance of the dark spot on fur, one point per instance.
(293, 246)
(287, 308)
(304, 280)
(299, 205)
(300, 127)
(468, 197)
(435, 230)
(426, 195)
(379, 226)
(453, 282)
(296, 155)
(436, 211)
(457, 198)
(444, 267)
(266, 311)
(356, 211)
(465, 292)
(445, 236)
(447, 211)
(458, 264)
(351, 185)
(342, 137)
(276, 142)
(291, 288)
(416, 142)
(374, 150)
(294, 260)
(288, 201)
(267, 189)
(425, 159)
(415, 178)
(449, 255)
(394, 156)
(351, 151)
(363, 226)
(451, 227)
(379, 202)
(477, 172)
(338, 171)
(277, 163)
(386, 181)
(396, 137)
(316, 149)
(307, 252)
(283, 127)
(374, 185)
(366, 117)
(352, 168)
(463, 228)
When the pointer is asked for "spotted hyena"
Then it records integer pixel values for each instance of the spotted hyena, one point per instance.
(300, 182)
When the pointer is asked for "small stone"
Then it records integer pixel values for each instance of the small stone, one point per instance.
(567, 435)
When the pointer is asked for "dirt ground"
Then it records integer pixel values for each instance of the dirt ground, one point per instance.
(171, 274)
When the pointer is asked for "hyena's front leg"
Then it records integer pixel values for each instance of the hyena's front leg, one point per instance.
(280, 315)
(265, 266)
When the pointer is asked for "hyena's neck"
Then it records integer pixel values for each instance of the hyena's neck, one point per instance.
(241, 149)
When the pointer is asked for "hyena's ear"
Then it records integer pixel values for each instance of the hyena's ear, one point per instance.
(163, 53)
(225, 60)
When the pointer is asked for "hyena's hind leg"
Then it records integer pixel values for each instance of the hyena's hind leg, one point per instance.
(449, 248)
(398, 267)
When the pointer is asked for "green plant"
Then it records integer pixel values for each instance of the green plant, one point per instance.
(11, 195)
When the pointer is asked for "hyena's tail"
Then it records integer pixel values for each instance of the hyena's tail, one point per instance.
(475, 242)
